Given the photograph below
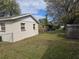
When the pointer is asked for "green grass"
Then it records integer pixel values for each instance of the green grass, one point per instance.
(42, 46)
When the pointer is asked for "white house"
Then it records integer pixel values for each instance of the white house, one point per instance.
(13, 29)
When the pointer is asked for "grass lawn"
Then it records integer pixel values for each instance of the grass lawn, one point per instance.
(43, 46)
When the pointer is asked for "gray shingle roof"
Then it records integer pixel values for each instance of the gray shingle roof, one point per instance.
(16, 17)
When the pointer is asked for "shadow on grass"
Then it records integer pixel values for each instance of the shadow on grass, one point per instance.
(62, 50)
(61, 35)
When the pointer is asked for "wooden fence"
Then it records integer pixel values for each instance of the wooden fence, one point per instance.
(72, 31)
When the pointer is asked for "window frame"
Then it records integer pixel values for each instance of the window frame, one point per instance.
(23, 28)
(34, 26)
(3, 28)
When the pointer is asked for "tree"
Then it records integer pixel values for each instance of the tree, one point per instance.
(60, 8)
(44, 21)
(9, 8)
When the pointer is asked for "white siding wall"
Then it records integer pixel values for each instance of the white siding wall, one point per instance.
(15, 30)
(19, 35)
(7, 36)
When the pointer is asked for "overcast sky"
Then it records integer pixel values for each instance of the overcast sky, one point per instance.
(36, 7)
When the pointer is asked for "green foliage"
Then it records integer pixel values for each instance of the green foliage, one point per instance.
(64, 9)
(44, 21)
(71, 19)
(64, 19)
(56, 27)
(9, 8)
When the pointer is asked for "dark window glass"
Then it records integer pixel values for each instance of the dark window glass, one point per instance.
(22, 26)
(34, 26)
(2, 27)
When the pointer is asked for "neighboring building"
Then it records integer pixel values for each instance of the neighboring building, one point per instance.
(17, 28)
(42, 28)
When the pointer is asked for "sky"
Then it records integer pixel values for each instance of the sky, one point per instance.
(35, 7)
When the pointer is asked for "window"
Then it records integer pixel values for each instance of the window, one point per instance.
(43, 26)
(34, 26)
(22, 26)
(2, 27)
